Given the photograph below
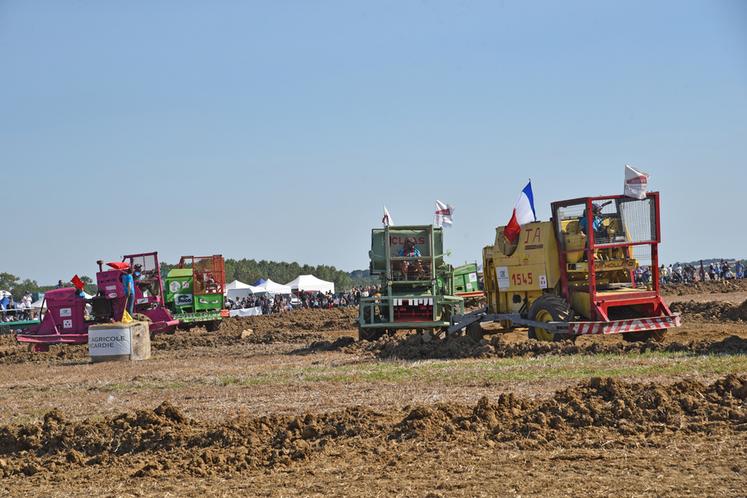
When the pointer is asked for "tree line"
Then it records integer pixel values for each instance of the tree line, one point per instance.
(250, 271)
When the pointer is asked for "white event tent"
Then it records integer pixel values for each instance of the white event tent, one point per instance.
(37, 305)
(274, 288)
(309, 283)
(238, 289)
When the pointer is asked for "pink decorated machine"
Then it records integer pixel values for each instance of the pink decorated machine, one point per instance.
(66, 319)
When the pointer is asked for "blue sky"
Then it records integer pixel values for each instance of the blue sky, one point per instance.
(277, 130)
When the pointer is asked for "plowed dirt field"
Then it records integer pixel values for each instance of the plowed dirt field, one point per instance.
(294, 405)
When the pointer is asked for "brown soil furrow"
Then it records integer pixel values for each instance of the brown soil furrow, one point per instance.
(418, 347)
(599, 412)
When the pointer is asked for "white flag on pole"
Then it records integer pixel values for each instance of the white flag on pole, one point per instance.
(387, 219)
(636, 183)
(444, 214)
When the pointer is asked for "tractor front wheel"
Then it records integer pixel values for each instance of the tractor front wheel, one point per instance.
(548, 308)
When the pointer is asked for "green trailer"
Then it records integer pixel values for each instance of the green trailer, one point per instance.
(11, 327)
(465, 282)
(415, 283)
(194, 291)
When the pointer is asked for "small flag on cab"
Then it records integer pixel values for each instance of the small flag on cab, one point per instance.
(79, 286)
(523, 213)
(78, 283)
(387, 219)
(444, 214)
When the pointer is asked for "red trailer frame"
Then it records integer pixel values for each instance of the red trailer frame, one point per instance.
(216, 267)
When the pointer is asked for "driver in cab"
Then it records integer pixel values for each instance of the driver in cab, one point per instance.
(596, 223)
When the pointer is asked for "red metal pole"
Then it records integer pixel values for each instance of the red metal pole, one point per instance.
(590, 259)
(655, 246)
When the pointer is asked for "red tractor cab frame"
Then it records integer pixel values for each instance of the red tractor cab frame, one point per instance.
(149, 300)
(610, 306)
(66, 322)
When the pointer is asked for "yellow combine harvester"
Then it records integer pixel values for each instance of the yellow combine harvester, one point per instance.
(561, 279)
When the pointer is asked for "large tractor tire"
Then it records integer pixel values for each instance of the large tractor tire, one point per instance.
(549, 308)
(213, 325)
(653, 335)
(371, 334)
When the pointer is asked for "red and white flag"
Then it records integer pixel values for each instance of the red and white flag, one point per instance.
(636, 183)
(387, 219)
(523, 213)
(444, 214)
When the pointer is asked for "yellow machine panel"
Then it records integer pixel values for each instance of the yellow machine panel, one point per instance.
(518, 274)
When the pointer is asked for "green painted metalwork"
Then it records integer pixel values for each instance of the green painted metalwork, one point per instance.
(415, 280)
(208, 316)
(19, 324)
(187, 306)
(464, 279)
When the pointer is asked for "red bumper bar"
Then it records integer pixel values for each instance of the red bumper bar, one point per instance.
(623, 326)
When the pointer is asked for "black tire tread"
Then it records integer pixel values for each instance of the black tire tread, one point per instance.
(643, 336)
(558, 308)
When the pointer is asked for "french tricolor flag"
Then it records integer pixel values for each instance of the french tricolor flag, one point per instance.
(523, 213)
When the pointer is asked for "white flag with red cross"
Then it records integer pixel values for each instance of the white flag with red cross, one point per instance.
(636, 183)
(444, 214)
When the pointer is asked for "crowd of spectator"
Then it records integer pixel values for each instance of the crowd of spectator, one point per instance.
(12, 311)
(689, 273)
(329, 300)
(302, 300)
(267, 304)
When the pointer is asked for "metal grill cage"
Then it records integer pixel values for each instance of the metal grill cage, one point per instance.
(410, 266)
(149, 280)
(617, 221)
(208, 271)
(638, 218)
(147, 262)
(568, 219)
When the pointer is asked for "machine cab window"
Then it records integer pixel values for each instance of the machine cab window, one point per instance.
(145, 273)
(618, 234)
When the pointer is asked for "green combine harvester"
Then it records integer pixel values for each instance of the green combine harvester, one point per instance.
(415, 283)
(194, 291)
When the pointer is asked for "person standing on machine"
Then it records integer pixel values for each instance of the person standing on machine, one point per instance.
(129, 289)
